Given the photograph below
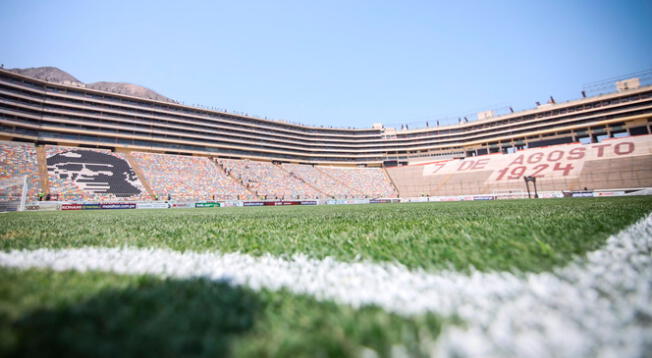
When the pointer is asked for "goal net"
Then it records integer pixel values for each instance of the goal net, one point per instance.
(510, 194)
(13, 193)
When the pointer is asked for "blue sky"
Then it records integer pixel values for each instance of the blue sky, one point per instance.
(337, 63)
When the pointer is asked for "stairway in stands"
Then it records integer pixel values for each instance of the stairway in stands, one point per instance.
(139, 174)
(236, 180)
(42, 168)
(289, 173)
(340, 181)
(391, 181)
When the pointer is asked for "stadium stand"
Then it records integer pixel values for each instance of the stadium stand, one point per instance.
(268, 180)
(324, 183)
(187, 178)
(489, 154)
(92, 174)
(96, 174)
(616, 163)
(18, 160)
(370, 182)
(632, 172)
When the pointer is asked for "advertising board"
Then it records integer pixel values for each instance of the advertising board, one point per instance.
(484, 197)
(155, 205)
(97, 206)
(71, 206)
(210, 204)
(582, 194)
(112, 206)
(609, 193)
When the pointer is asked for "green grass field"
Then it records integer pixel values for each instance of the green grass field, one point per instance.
(48, 313)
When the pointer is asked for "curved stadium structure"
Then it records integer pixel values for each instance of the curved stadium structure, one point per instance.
(599, 142)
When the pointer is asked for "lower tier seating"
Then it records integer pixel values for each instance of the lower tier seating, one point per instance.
(267, 180)
(367, 182)
(327, 185)
(618, 163)
(75, 173)
(18, 160)
(187, 178)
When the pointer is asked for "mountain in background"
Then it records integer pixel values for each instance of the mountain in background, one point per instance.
(47, 73)
(128, 89)
(53, 74)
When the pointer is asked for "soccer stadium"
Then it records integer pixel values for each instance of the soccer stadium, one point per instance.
(136, 225)
(59, 136)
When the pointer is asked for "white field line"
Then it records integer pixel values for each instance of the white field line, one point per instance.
(598, 306)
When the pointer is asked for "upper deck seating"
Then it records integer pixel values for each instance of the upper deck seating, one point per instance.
(187, 178)
(18, 160)
(267, 180)
(92, 174)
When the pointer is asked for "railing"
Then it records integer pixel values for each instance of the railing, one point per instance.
(608, 85)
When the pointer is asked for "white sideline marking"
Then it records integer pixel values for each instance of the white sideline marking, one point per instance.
(597, 306)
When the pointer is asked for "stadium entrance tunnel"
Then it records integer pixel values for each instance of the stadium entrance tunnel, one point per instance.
(154, 318)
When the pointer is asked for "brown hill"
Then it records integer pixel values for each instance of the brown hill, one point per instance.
(54, 74)
(48, 73)
(128, 89)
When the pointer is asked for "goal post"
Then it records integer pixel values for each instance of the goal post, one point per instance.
(516, 193)
(23, 195)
